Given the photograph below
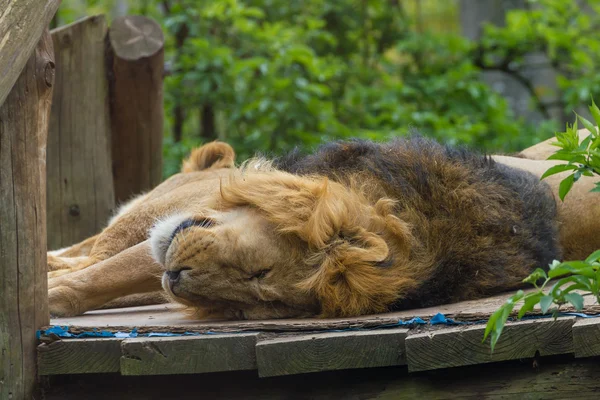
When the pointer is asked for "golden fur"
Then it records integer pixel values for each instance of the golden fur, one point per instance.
(244, 243)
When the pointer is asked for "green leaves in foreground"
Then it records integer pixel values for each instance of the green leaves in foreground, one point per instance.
(583, 158)
(574, 275)
(571, 277)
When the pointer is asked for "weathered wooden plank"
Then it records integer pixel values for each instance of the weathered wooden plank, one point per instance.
(22, 23)
(136, 62)
(586, 337)
(552, 378)
(23, 271)
(79, 356)
(330, 351)
(188, 355)
(463, 346)
(80, 184)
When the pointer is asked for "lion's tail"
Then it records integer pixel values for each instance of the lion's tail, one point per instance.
(211, 155)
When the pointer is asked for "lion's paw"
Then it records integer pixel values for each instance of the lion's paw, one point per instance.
(64, 302)
(56, 274)
(57, 263)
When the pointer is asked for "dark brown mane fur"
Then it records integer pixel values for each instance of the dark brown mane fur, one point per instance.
(479, 227)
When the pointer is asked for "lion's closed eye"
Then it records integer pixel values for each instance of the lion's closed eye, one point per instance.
(260, 274)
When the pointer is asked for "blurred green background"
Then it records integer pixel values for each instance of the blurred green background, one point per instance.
(268, 75)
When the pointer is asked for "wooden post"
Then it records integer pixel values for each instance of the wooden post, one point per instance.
(80, 184)
(22, 23)
(23, 272)
(136, 104)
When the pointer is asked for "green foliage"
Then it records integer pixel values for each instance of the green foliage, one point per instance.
(284, 75)
(275, 74)
(268, 75)
(583, 159)
(565, 32)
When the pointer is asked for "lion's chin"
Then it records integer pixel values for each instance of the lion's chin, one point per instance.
(205, 314)
(168, 288)
(199, 309)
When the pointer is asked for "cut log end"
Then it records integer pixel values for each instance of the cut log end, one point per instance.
(134, 37)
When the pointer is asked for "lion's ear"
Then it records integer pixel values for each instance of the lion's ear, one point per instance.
(355, 276)
(211, 155)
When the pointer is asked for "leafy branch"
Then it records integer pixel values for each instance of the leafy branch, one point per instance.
(572, 279)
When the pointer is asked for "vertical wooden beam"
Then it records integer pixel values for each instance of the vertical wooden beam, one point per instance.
(80, 184)
(23, 272)
(136, 59)
(22, 23)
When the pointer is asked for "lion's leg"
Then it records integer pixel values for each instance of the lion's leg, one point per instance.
(63, 264)
(127, 231)
(129, 272)
(138, 299)
(77, 250)
(66, 259)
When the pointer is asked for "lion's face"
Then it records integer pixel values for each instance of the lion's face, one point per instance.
(233, 263)
(274, 245)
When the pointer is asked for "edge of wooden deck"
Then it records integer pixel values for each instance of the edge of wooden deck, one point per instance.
(276, 354)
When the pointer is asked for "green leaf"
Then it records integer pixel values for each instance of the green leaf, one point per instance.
(536, 276)
(595, 112)
(545, 303)
(560, 270)
(596, 285)
(577, 279)
(576, 300)
(492, 322)
(578, 265)
(596, 189)
(576, 286)
(572, 157)
(565, 186)
(500, 325)
(585, 143)
(558, 169)
(588, 125)
(586, 282)
(595, 256)
(554, 264)
(497, 320)
(530, 302)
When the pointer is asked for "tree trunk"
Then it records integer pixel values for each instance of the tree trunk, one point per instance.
(208, 128)
(80, 183)
(178, 112)
(23, 273)
(136, 56)
(178, 120)
(22, 23)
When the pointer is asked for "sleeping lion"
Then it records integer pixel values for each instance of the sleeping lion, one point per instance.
(354, 228)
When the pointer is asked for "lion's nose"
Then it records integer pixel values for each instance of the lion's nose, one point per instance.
(188, 223)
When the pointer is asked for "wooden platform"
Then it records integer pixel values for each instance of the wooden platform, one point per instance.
(287, 347)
